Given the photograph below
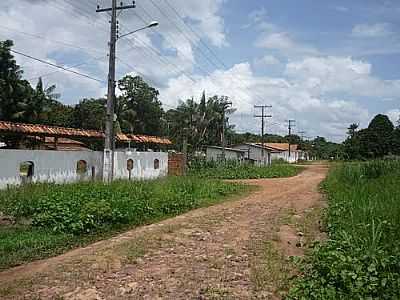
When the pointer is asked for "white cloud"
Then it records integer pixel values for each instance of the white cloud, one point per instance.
(341, 8)
(341, 75)
(90, 31)
(394, 115)
(290, 98)
(282, 41)
(267, 60)
(371, 30)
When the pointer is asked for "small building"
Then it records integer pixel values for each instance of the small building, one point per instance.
(215, 153)
(265, 154)
(281, 151)
(256, 153)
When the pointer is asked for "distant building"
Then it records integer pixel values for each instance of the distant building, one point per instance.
(272, 151)
(215, 153)
(254, 152)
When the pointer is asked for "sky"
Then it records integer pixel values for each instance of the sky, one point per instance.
(325, 64)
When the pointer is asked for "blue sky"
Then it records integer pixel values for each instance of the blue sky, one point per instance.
(324, 63)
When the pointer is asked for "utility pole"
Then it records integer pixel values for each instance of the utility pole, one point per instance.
(225, 105)
(302, 135)
(263, 116)
(290, 127)
(109, 141)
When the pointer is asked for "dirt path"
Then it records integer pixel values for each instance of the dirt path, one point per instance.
(220, 252)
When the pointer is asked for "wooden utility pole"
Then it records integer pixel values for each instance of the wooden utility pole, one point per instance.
(263, 116)
(290, 126)
(109, 141)
(225, 106)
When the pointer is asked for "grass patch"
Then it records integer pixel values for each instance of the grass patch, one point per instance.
(360, 260)
(66, 216)
(235, 170)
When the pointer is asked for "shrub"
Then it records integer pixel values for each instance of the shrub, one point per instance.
(233, 169)
(360, 260)
(87, 207)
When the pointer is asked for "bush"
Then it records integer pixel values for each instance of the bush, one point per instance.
(360, 260)
(235, 170)
(86, 207)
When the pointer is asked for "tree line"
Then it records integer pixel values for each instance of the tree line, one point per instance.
(193, 123)
(381, 138)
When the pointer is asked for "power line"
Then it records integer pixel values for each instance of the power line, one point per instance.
(71, 67)
(263, 116)
(37, 36)
(57, 66)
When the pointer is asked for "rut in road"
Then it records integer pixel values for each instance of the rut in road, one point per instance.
(209, 253)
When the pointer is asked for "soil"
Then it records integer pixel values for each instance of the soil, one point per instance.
(209, 253)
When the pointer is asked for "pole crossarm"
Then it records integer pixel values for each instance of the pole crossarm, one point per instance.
(263, 116)
(122, 7)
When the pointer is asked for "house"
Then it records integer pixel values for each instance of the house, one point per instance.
(281, 151)
(255, 153)
(272, 151)
(215, 153)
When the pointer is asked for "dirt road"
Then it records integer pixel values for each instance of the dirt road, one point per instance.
(235, 250)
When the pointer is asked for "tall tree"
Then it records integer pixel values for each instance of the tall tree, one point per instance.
(139, 109)
(90, 114)
(14, 91)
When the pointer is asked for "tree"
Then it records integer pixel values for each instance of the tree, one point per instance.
(376, 140)
(352, 130)
(200, 123)
(139, 110)
(90, 114)
(14, 91)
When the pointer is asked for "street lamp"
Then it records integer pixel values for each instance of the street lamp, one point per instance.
(151, 24)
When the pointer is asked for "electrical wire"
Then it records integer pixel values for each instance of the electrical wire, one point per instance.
(56, 66)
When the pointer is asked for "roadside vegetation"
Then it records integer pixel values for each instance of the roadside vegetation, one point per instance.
(235, 170)
(49, 218)
(360, 259)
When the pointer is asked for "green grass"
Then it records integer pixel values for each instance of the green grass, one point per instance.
(66, 216)
(234, 170)
(361, 258)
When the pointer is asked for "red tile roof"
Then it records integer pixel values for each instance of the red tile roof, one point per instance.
(55, 131)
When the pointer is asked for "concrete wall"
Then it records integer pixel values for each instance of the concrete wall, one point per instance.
(255, 153)
(293, 158)
(216, 154)
(61, 166)
(143, 165)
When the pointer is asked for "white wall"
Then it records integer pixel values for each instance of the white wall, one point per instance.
(143, 165)
(293, 158)
(60, 166)
(255, 153)
(216, 154)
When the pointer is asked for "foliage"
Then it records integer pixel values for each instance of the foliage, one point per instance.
(200, 123)
(90, 114)
(360, 260)
(65, 216)
(235, 170)
(138, 109)
(376, 141)
(84, 207)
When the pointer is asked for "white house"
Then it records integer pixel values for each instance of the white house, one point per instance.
(215, 153)
(272, 151)
(256, 153)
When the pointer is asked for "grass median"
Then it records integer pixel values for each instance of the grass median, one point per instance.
(51, 219)
(360, 259)
(235, 170)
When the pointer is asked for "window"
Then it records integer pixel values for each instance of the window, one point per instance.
(129, 166)
(156, 164)
(26, 170)
(81, 167)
